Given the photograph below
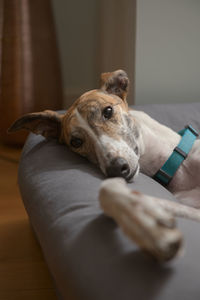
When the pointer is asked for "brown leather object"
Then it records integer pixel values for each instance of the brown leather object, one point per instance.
(30, 76)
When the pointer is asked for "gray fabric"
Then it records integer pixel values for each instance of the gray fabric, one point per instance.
(60, 193)
(176, 116)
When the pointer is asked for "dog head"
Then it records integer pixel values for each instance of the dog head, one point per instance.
(97, 126)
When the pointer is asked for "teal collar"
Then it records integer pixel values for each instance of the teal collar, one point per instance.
(179, 154)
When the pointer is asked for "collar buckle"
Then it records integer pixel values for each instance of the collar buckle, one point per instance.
(181, 152)
(192, 130)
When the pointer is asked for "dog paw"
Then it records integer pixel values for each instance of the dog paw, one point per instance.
(141, 218)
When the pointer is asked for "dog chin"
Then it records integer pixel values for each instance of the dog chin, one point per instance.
(131, 177)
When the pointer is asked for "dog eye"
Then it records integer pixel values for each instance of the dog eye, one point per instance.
(76, 142)
(107, 112)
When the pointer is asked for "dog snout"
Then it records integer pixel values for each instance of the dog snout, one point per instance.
(118, 167)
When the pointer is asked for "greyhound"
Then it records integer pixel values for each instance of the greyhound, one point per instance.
(122, 141)
(101, 127)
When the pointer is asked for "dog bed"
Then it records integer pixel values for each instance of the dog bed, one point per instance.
(87, 249)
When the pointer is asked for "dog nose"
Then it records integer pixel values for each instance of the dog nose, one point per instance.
(118, 167)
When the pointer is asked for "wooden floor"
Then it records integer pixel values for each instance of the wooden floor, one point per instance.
(23, 271)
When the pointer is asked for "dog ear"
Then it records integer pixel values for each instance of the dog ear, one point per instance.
(116, 83)
(47, 123)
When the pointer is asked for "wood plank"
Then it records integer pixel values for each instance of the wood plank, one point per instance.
(34, 273)
(10, 153)
(28, 294)
(23, 271)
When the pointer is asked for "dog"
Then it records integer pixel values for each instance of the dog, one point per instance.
(121, 141)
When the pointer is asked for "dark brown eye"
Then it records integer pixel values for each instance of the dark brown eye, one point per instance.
(107, 112)
(76, 142)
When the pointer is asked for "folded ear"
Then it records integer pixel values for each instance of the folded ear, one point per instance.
(47, 123)
(116, 83)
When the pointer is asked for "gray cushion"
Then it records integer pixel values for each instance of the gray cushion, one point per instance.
(60, 193)
(176, 116)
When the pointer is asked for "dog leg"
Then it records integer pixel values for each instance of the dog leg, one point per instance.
(178, 209)
(191, 197)
(141, 217)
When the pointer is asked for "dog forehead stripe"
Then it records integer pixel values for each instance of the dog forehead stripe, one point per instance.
(84, 124)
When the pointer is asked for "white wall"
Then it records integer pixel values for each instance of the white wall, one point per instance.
(167, 48)
(168, 51)
(94, 36)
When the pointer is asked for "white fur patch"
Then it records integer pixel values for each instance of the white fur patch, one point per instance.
(114, 145)
(118, 148)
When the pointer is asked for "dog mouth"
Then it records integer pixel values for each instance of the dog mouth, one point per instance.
(130, 177)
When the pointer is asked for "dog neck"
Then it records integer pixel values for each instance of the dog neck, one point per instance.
(156, 142)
